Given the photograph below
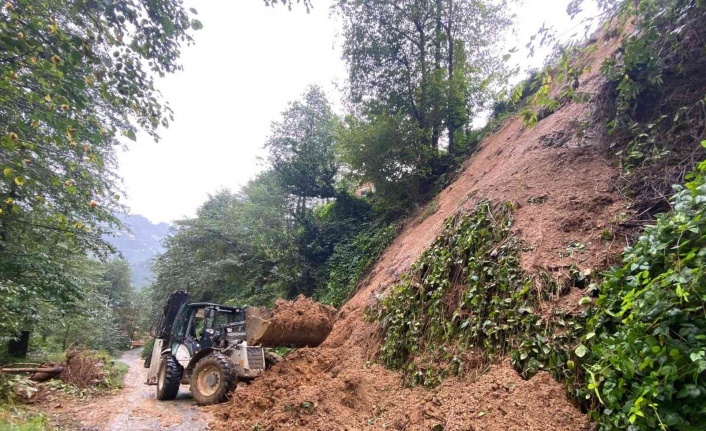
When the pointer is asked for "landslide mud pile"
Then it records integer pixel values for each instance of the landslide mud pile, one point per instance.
(558, 176)
(300, 323)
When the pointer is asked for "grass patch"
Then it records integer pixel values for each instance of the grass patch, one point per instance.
(13, 419)
(115, 374)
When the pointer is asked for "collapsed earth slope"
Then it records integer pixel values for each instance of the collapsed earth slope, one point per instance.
(557, 176)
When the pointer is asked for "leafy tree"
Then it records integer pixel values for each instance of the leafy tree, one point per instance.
(97, 321)
(410, 57)
(418, 70)
(75, 75)
(388, 151)
(117, 282)
(301, 148)
(237, 248)
(121, 296)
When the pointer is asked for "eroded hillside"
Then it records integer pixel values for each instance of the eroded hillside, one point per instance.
(558, 178)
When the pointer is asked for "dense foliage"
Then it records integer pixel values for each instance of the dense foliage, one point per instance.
(352, 258)
(292, 230)
(108, 317)
(419, 72)
(327, 205)
(235, 248)
(466, 302)
(302, 148)
(258, 245)
(636, 359)
(648, 334)
(74, 77)
(660, 107)
(654, 109)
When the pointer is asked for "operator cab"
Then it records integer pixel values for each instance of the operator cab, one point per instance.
(203, 325)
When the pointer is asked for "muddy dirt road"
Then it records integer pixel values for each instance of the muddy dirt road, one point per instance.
(135, 408)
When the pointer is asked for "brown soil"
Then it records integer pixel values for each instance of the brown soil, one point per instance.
(557, 174)
(302, 323)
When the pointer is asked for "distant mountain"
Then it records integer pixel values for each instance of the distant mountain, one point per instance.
(139, 243)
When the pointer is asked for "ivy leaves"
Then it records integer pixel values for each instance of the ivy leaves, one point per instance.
(647, 357)
(463, 303)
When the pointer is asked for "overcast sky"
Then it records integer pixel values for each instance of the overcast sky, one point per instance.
(248, 62)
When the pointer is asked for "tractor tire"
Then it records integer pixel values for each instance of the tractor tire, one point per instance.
(213, 379)
(168, 378)
(271, 359)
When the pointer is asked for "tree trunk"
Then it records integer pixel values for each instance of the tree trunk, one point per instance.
(437, 95)
(423, 66)
(66, 338)
(56, 369)
(450, 120)
(450, 117)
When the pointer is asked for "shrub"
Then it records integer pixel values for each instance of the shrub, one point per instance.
(352, 259)
(647, 338)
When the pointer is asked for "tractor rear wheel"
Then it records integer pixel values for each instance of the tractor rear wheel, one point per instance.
(168, 378)
(213, 379)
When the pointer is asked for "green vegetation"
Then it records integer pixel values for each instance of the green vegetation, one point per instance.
(534, 95)
(261, 244)
(466, 302)
(116, 371)
(147, 349)
(23, 421)
(108, 317)
(658, 114)
(438, 320)
(74, 77)
(351, 260)
(635, 359)
(299, 228)
(418, 76)
(647, 333)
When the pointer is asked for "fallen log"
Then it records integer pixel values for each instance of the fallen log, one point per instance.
(39, 374)
(11, 370)
(25, 364)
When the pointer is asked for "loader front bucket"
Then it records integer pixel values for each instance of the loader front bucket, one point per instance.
(301, 323)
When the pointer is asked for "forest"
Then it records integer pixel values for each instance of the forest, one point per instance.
(79, 80)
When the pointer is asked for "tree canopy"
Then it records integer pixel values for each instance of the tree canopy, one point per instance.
(302, 147)
(75, 76)
(422, 58)
(419, 71)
